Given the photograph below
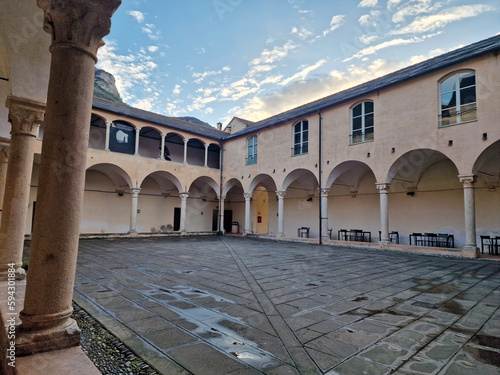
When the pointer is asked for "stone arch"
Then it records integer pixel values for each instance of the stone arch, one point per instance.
(195, 152)
(97, 134)
(264, 180)
(120, 178)
(149, 142)
(174, 147)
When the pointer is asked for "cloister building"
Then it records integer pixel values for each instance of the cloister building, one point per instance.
(417, 150)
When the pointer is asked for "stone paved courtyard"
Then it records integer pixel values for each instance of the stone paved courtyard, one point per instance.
(228, 305)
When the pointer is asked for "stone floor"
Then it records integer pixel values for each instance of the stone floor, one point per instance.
(225, 305)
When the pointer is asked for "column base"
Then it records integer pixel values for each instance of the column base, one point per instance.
(20, 274)
(132, 232)
(54, 338)
(474, 249)
(384, 242)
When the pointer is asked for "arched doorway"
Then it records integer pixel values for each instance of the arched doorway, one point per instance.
(261, 208)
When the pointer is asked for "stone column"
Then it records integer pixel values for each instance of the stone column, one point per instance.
(137, 137)
(182, 226)
(162, 151)
(25, 116)
(133, 211)
(248, 223)
(324, 213)
(221, 214)
(4, 158)
(206, 155)
(281, 214)
(383, 189)
(470, 212)
(185, 150)
(77, 28)
(108, 129)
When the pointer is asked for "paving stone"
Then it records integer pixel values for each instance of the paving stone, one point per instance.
(357, 366)
(169, 338)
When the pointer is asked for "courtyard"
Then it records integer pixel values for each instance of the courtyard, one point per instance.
(232, 305)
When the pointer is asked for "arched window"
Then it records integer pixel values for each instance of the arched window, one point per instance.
(301, 138)
(362, 123)
(458, 99)
(252, 150)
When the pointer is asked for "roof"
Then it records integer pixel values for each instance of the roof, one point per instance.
(439, 62)
(171, 122)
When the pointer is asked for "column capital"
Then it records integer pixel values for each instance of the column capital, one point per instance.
(4, 150)
(135, 192)
(383, 187)
(109, 123)
(247, 196)
(184, 195)
(467, 179)
(24, 115)
(324, 192)
(79, 24)
(281, 194)
(185, 140)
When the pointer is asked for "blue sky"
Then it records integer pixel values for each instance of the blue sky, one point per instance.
(215, 59)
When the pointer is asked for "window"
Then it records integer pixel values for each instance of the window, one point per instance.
(458, 99)
(301, 138)
(252, 150)
(362, 123)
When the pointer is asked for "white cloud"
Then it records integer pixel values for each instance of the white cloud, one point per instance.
(200, 77)
(130, 71)
(151, 31)
(276, 54)
(367, 3)
(139, 16)
(303, 73)
(415, 8)
(301, 92)
(302, 33)
(392, 3)
(176, 90)
(369, 19)
(153, 48)
(367, 39)
(391, 43)
(336, 22)
(430, 23)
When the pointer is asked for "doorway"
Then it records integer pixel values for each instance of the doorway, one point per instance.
(177, 219)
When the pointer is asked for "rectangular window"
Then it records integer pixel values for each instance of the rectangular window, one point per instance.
(252, 150)
(458, 99)
(300, 138)
(362, 126)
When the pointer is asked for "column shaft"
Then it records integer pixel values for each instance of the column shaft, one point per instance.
(184, 197)
(470, 212)
(185, 150)
(324, 213)
(384, 212)
(4, 158)
(248, 223)
(206, 156)
(281, 213)
(25, 116)
(108, 129)
(77, 28)
(137, 138)
(162, 151)
(133, 210)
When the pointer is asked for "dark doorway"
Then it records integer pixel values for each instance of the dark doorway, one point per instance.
(177, 219)
(33, 217)
(228, 219)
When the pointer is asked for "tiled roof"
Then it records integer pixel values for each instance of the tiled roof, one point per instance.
(170, 122)
(439, 62)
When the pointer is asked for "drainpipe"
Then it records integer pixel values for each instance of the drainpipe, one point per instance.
(319, 181)
(221, 228)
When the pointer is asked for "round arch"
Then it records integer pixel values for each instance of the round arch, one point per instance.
(150, 142)
(264, 180)
(120, 178)
(352, 171)
(174, 147)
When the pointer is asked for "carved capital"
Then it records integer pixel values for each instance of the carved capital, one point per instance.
(383, 187)
(468, 180)
(135, 192)
(183, 195)
(324, 192)
(24, 115)
(281, 194)
(78, 23)
(247, 196)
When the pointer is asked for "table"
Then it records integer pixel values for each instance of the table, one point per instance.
(433, 239)
(354, 235)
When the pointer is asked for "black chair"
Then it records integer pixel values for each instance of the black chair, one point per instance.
(393, 236)
(431, 239)
(487, 241)
(496, 245)
(342, 235)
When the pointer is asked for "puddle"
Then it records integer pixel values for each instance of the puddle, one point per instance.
(488, 341)
(213, 326)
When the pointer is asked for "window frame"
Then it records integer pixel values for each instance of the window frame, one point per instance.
(363, 135)
(252, 158)
(460, 102)
(299, 146)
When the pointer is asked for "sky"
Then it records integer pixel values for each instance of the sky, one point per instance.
(215, 59)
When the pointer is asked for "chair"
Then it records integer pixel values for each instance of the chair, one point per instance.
(419, 239)
(394, 235)
(496, 245)
(431, 239)
(486, 241)
(342, 235)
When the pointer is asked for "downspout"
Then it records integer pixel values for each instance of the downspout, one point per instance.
(221, 228)
(320, 181)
